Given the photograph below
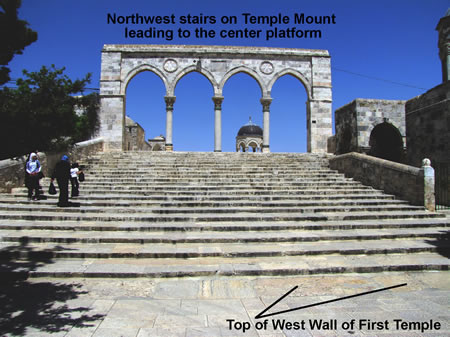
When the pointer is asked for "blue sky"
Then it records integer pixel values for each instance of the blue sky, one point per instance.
(391, 40)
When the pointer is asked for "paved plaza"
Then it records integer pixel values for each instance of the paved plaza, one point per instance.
(224, 306)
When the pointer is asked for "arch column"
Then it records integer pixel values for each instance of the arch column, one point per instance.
(217, 123)
(170, 100)
(265, 101)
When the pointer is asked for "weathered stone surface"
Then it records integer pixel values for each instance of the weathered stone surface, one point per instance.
(356, 120)
(428, 126)
(407, 182)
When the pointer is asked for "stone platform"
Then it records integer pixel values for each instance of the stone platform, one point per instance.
(205, 306)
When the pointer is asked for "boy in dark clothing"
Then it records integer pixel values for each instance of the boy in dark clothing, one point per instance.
(62, 175)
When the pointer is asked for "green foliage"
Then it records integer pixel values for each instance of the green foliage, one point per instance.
(14, 37)
(44, 113)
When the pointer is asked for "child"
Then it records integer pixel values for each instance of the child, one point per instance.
(74, 172)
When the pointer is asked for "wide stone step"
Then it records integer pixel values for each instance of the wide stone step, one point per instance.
(223, 188)
(171, 192)
(213, 169)
(243, 210)
(77, 215)
(119, 199)
(158, 250)
(225, 177)
(209, 237)
(182, 184)
(6, 203)
(224, 226)
(223, 182)
(286, 265)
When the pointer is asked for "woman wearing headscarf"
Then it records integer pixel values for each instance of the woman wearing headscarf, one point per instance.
(33, 169)
(62, 175)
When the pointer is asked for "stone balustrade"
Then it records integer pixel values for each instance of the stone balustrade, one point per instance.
(410, 183)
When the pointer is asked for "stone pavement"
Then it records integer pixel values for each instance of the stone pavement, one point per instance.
(223, 306)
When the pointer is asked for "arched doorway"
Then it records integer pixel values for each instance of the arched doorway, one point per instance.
(386, 142)
(289, 114)
(144, 110)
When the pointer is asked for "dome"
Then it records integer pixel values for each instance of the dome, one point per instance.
(250, 129)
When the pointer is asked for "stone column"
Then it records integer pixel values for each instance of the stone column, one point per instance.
(265, 101)
(428, 186)
(170, 100)
(217, 123)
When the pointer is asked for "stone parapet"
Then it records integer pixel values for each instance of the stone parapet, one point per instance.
(407, 182)
(12, 171)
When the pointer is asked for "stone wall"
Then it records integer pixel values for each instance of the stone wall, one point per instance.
(135, 137)
(346, 128)
(355, 121)
(428, 126)
(12, 171)
(407, 182)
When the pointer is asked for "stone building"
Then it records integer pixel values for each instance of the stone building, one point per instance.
(134, 136)
(371, 126)
(157, 143)
(428, 115)
(250, 136)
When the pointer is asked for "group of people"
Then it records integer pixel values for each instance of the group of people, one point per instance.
(63, 172)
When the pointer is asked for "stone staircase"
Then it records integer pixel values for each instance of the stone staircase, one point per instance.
(194, 214)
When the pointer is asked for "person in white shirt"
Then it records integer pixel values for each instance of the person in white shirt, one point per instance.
(74, 172)
(33, 169)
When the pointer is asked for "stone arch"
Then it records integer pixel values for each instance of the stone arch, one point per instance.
(120, 63)
(245, 70)
(192, 69)
(294, 73)
(386, 142)
(240, 147)
(252, 144)
(139, 69)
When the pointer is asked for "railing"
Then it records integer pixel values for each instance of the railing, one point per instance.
(442, 185)
(413, 184)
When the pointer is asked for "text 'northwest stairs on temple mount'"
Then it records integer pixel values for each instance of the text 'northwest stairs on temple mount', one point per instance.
(149, 214)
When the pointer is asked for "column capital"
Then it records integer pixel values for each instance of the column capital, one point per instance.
(265, 101)
(170, 100)
(217, 102)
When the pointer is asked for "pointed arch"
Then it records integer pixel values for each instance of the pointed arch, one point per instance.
(191, 69)
(386, 142)
(246, 70)
(139, 69)
(298, 75)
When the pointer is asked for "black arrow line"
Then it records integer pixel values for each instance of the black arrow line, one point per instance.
(278, 300)
(261, 314)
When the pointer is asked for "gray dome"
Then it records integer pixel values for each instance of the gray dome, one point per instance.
(250, 129)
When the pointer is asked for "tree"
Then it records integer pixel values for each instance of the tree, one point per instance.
(15, 35)
(44, 113)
